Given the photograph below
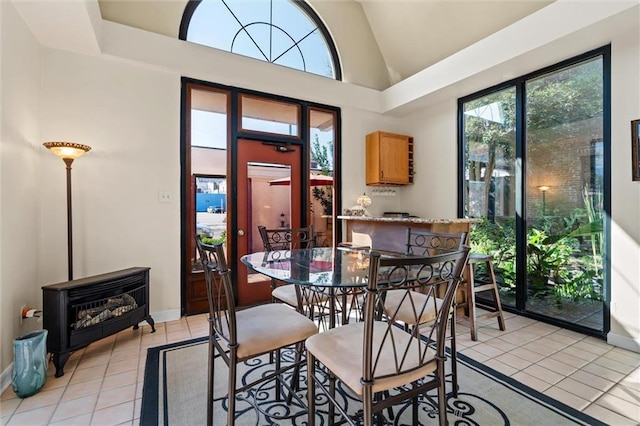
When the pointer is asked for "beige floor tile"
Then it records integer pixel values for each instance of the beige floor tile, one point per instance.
(56, 382)
(83, 420)
(501, 344)
(118, 367)
(137, 407)
(475, 355)
(75, 407)
(614, 365)
(592, 380)
(543, 373)
(631, 381)
(82, 389)
(540, 348)
(557, 366)
(603, 372)
(116, 396)
(114, 415)
(503, 368)
(569, 359)
(514, 361)
(119, 380)
(518, 338)
(8, 394)
(39, 416)
(41, 399)
(8, 406)
(608, 416)
(488, 350)
(593, 345)
(568, 398)
(531, 381)
(93, 361)
(625, 393)
(88, 374)
(580, 389)
(580, 353)
(620, 406)
(524, 353)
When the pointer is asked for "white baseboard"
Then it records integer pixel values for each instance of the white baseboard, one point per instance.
(164, 316)
(624, 342)
(5, 378)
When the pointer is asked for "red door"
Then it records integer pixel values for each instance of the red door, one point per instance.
(261, 202)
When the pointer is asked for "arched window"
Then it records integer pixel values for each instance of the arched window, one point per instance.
(283, 32)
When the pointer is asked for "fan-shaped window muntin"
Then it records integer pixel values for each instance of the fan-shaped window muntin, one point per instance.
(283, 32)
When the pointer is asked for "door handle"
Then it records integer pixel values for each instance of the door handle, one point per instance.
(241, 232)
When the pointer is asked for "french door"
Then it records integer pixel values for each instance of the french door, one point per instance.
(252, 159)
(535, 166)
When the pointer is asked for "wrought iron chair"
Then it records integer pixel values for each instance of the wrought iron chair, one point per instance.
(290, 239)
(427, 243)
(240, 335)
(381, 363)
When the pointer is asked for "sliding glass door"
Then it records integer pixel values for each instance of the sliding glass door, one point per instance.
(535, 167)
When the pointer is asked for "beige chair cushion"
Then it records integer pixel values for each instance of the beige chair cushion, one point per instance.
(409, 308)
(340, 349)
(287, 294)
(264, 328)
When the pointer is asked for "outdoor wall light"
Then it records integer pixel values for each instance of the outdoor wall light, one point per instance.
(544, 189)
(68, 151)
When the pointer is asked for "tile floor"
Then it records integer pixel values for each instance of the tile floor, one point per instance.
(102, 384)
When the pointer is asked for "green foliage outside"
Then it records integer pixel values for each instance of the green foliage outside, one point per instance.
(558, 265)
(211, 241)
(564, 252)
(321, 155)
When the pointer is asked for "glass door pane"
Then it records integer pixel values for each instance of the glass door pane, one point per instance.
(564, 193)
(490, 182)
(322, 137)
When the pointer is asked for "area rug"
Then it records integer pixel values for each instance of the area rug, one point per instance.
(175, 388)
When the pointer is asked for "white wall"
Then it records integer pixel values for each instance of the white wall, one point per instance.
(130, 115)
(20, 221)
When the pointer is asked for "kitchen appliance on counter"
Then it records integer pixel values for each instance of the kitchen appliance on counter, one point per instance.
(395, 214)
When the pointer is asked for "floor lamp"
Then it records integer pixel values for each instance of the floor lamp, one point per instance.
(68, 151)
(544, 189)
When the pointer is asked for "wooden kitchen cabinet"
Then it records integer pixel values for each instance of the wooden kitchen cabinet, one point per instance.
(389, 159)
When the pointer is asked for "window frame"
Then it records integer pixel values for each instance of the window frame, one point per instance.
(192, 5)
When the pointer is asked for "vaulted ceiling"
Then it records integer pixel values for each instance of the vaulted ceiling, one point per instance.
(409, 35)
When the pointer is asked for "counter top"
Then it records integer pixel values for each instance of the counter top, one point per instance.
(409, 219)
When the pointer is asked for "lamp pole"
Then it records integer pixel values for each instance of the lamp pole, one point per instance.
(544, 189)
(68, 162)
(68, 151)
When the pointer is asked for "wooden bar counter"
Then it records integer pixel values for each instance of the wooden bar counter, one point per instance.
(390, 233)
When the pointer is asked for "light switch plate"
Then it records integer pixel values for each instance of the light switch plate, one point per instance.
(164, 196)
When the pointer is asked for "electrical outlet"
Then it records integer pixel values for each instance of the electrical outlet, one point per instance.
(164, 196)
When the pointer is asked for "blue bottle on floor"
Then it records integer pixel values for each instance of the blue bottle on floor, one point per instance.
(29, 363)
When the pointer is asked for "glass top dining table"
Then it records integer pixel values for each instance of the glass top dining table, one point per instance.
(319, 267)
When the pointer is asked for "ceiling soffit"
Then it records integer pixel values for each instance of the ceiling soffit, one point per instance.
(411, 35)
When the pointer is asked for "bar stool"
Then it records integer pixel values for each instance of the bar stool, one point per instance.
(473, 286)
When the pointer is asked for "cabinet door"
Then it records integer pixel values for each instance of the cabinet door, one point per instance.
(394, 158)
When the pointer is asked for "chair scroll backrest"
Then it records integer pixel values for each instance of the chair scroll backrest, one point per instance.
(287, 238)
(427, 243)
(390, 350)
(219, 290)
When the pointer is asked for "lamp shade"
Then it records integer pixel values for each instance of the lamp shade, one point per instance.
(544, 188)
(363, 201)
(67, 150)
